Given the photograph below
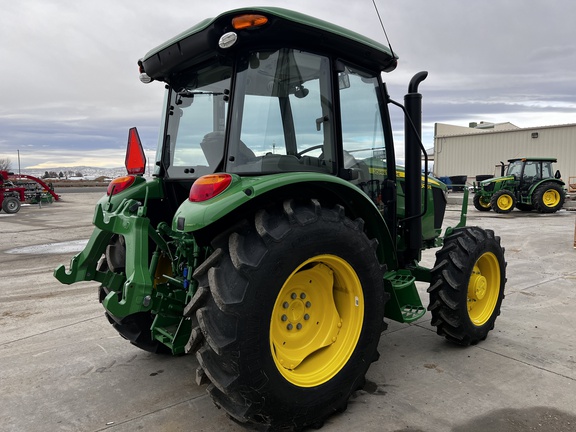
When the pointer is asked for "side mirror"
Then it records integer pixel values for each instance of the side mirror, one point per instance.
(343, 81)
(557, 175)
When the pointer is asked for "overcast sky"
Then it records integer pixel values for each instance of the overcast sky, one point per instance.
(70, 91)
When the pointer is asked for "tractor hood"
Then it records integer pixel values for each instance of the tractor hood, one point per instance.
(492, 181)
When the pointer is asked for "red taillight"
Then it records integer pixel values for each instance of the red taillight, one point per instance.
(135, 159)
(209, 186)
(119, 184)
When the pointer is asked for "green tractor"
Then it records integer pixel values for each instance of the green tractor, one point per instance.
(277, 231)
(529, 183)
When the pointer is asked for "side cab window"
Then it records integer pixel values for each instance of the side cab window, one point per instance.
(362, 131)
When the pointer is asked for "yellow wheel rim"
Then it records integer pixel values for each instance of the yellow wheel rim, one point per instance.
(551, 198)
(316, 321)
(505, 202)
(484, 203)
(483, 289)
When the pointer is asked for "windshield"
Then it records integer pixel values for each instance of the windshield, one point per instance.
(282, 114)
(515, 168)
(197, 121)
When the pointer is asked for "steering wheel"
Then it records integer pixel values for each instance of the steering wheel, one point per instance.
(306, 150)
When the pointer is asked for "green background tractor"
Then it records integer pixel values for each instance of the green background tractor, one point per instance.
(277, 231)
(529, 183)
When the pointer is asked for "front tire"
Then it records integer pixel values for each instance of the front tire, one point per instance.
(481, 203)
(467, 286)
(292, 315)
(503, 201)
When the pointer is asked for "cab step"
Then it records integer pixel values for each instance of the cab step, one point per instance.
(404, 305)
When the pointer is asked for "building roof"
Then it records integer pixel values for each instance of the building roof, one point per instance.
(446, 130)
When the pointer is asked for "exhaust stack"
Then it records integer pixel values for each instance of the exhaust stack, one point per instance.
(412, 155)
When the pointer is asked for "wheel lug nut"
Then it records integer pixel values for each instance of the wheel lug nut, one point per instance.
(299, 326)
(303, 296)
(284, 318)
(293, 296)
(285, 305)
(306, 317)
(289, 326)
(308, 304)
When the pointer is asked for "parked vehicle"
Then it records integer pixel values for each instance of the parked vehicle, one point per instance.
(278, 232)
(529, 183)
(10, 195)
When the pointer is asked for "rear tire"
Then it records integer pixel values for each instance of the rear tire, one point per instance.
(481, 203)
(292, 316)
(503, 201)
(548, 197)
(467, 286)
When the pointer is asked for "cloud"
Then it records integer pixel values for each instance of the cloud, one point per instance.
(70, 87)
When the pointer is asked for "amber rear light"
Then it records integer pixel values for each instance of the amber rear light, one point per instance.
(248, 21)
(209, 186)
(119, 184)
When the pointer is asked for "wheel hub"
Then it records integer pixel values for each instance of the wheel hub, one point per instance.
(316, 320)
(479, 286)
(296, 336)
(483, 288)
(551, 198)
(297, 311)
(504, 202)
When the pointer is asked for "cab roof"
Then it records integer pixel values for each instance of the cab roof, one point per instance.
(284, 28)
(534, 159)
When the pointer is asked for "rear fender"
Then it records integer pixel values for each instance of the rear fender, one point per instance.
(255, 192)
(548, 180)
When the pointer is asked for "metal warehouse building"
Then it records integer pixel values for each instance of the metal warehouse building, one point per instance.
(479, 149)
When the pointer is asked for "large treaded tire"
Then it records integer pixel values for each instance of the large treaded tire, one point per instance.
(467, 286)
(241, 290)
(503, 201)
(11, 205)
(481, 203)
(548, 197)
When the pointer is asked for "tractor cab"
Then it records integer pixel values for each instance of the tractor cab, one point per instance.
(526, 171)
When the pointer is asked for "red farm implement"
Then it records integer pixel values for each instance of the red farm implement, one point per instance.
(18, 188)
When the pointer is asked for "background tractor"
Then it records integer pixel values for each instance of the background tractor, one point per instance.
(277, 231)
(529, 183)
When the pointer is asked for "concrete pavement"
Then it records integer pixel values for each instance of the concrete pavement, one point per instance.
(63, 367)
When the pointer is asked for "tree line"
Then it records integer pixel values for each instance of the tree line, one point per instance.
(62, 175)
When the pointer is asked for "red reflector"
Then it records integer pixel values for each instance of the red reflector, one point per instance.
(119, 184)
(135, 159)
(209, 186)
